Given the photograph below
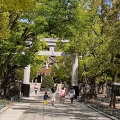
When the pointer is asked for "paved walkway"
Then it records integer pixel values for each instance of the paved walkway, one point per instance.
(32, 108)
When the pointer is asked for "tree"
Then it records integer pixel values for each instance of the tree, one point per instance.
(47, 82)
(89, 40)
(62, 73)
(20, 41)
(112, 27)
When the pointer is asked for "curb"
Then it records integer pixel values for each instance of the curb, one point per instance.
(3, 109)
(111, 117)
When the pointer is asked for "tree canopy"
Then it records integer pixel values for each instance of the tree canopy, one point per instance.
(92, 27)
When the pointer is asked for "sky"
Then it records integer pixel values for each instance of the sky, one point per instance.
(109, 2)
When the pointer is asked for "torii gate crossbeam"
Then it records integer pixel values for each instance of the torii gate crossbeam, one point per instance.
(50, 53)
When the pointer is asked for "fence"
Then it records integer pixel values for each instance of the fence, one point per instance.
(16, 98)
(105, 108)
(2, 103)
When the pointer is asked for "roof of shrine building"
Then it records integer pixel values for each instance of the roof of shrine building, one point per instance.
(45, 70)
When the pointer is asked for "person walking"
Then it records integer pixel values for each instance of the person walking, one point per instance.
(71, 94)
(56, 86)
(52, 96)
(62, 95)
(35, 88)
(45, 97)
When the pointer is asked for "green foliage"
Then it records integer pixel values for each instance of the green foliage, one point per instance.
(16, 28)
(47, 82)
(19, 74)
(62, 73)
(35, 66)
(94, 36)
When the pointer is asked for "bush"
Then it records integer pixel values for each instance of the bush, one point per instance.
(47, 82)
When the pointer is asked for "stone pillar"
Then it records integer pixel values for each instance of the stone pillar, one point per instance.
(74, 81)
(41, 78)
(26, 82)
(105, 89)
(26, 78)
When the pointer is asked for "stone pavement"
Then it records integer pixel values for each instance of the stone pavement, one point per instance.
(32, 108)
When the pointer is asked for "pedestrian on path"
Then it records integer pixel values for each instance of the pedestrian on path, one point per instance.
(53, 96)
(56, 87)
(35, 88)
(62, 95)
(71, 94)
(45, 97)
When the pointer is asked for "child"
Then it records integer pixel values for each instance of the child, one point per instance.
(45, 98)
(62, 95)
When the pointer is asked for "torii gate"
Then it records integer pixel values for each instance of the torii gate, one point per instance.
(51, 43)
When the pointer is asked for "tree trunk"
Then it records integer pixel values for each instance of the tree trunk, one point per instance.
(93, 88)
(4, 65)
(113, 92)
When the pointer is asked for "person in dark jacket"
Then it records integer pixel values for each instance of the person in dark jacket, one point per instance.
(71, 94)
(45, 98)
